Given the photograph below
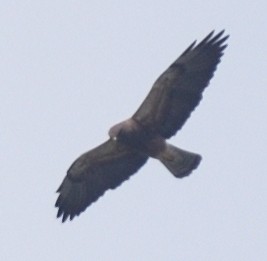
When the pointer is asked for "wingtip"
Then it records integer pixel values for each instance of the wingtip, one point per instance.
(209, 39)
(222, 32)
(189, 48)
(65, 217)
(214, 40)
(62, 215)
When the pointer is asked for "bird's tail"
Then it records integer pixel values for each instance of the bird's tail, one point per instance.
(179, 162)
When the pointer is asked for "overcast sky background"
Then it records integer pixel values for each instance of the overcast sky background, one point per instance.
(70, 70)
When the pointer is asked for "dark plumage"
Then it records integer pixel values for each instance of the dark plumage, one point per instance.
(168, 105)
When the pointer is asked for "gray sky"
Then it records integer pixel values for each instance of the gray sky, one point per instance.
(71, 69)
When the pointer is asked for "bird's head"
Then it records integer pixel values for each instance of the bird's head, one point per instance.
(125, 130)
(115, 131)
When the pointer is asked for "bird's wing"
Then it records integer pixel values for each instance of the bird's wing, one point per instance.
(179, 89)
(94, 172)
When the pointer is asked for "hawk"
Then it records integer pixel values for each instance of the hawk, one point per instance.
(168, 105)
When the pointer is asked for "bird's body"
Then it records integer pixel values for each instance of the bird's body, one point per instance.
(168, 105)
(134, 135)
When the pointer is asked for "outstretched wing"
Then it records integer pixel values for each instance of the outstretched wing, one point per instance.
(179, 89)
(96, 171)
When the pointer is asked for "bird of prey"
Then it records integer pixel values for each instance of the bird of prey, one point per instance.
(168, 105)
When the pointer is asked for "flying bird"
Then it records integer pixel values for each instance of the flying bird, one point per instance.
(168, 105)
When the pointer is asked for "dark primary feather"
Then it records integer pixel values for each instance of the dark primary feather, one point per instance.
(179, 89)
(96, 171)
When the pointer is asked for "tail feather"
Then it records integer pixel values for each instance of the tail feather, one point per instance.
(179, 162)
